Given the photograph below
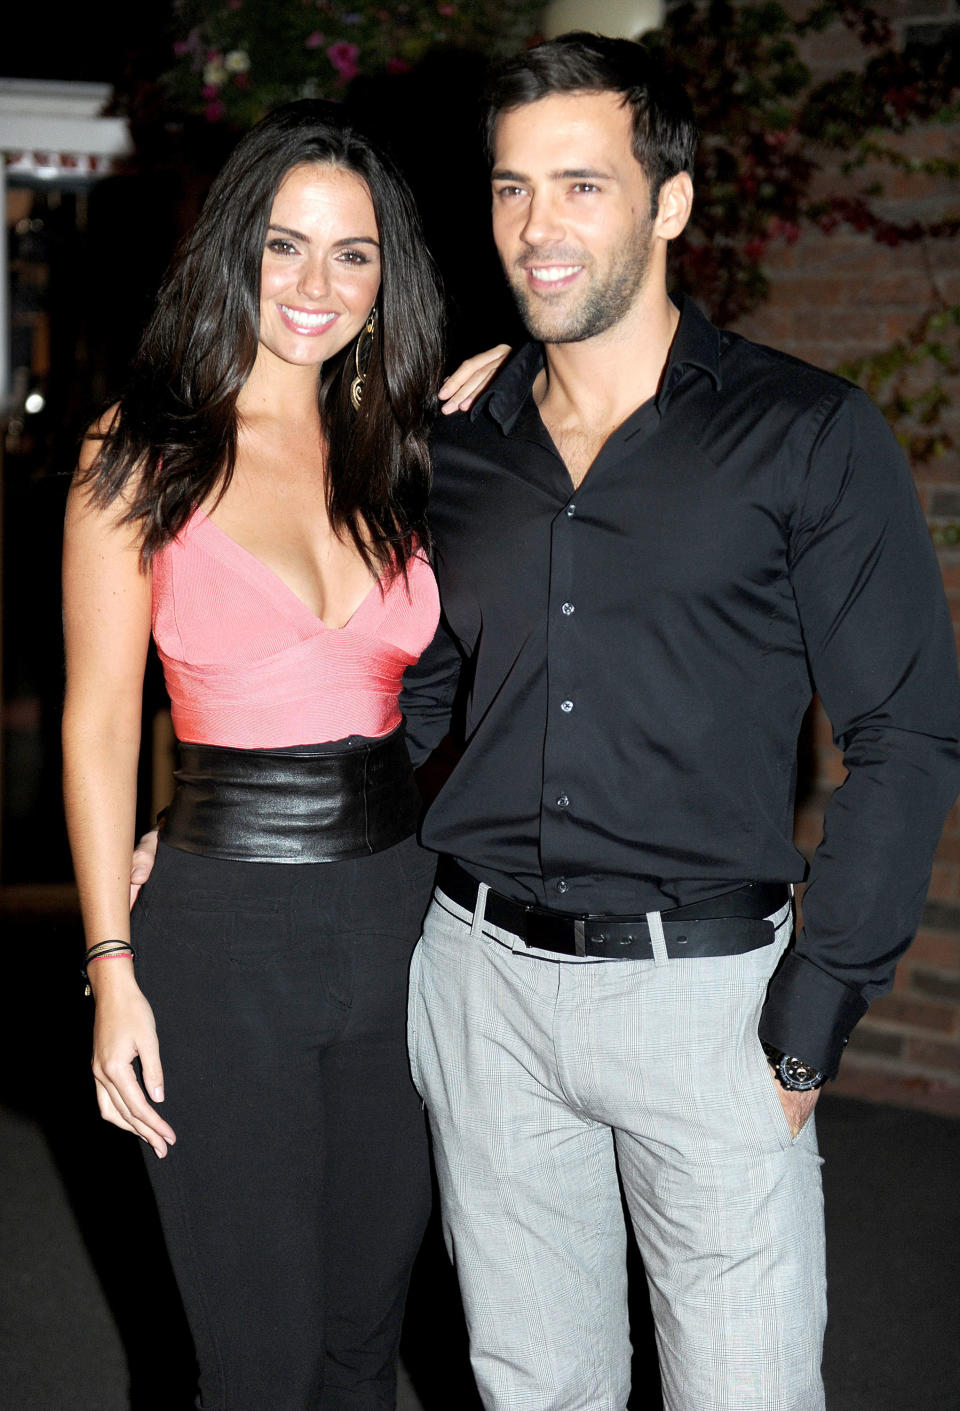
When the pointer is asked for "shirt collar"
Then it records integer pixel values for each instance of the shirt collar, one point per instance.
(696, 344)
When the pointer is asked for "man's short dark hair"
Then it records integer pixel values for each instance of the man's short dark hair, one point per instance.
(664, 131)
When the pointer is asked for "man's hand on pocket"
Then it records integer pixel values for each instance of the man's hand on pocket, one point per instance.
(796, 1106)
(141, 864)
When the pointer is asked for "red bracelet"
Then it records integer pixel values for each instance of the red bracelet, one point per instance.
(127, 953)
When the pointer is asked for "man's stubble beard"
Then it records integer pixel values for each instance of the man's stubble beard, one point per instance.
(602, 304)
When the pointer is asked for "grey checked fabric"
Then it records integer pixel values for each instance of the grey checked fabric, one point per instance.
(543, 1078)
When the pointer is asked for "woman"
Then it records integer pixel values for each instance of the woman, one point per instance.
(257, 497)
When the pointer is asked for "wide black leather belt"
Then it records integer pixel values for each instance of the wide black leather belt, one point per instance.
(306, 805)
(730, 923)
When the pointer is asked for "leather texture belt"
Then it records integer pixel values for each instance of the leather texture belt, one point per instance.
(306, 805)
(730, 923)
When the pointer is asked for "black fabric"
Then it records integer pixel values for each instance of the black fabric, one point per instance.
(730, 924)
(295, 1197)
(312, 804)
(637, 658)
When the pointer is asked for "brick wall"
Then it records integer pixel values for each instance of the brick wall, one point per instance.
(834, 299)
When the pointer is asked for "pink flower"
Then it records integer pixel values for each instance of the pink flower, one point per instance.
(214, 111)
(398, 66)
(242, 80)
(314, 40)
(343, 56)
(446, 9)
(190, 45)
(210, 91)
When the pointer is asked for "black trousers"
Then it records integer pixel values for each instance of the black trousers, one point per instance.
(295, 1198)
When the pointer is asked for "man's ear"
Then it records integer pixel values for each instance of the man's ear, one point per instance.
(674, 205)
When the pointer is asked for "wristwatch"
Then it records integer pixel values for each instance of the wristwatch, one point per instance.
(792, 1073)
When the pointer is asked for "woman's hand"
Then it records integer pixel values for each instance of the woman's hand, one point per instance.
(123, 1030)
(141, 864)
(463, 386)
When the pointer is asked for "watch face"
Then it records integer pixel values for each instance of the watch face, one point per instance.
(798, 1076)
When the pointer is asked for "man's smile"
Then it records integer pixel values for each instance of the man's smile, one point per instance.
(554, 275)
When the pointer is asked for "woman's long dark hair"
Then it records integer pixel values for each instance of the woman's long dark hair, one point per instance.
(173, 442)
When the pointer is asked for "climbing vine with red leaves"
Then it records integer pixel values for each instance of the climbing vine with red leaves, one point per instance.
(785, 154)
(771, 131)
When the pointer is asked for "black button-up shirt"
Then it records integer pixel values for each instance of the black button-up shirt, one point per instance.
(640, 651)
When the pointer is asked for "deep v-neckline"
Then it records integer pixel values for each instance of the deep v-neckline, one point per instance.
(274, 578)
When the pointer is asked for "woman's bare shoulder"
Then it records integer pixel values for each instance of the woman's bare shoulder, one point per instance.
(94, 437)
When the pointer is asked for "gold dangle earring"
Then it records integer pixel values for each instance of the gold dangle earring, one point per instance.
(356, 386)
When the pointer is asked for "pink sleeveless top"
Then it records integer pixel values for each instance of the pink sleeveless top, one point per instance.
(248, 665)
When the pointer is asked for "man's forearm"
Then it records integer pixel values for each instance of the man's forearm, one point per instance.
(865, 895)
(428, 693)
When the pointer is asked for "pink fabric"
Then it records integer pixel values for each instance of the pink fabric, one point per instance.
(248, 665)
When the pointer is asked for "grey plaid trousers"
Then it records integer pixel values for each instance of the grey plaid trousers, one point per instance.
(543, 1079)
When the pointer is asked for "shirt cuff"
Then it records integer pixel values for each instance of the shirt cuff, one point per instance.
(809, 1014)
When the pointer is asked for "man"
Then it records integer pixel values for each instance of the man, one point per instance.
(651, 536)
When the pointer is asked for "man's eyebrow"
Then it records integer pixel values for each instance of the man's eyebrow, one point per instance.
(348, 240)
(566, 174)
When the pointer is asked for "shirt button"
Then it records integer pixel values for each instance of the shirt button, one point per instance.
(566, 707)
(563, 801)
(571, 511)
(562, 885)
(568, 609)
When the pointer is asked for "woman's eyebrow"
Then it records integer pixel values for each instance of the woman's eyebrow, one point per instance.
(347, 240)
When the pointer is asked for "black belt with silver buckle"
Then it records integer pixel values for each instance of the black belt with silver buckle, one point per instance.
(730, 923)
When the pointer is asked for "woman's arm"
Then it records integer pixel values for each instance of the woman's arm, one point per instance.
(106, 631)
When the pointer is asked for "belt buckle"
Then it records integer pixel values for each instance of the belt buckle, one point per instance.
(536, 921)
